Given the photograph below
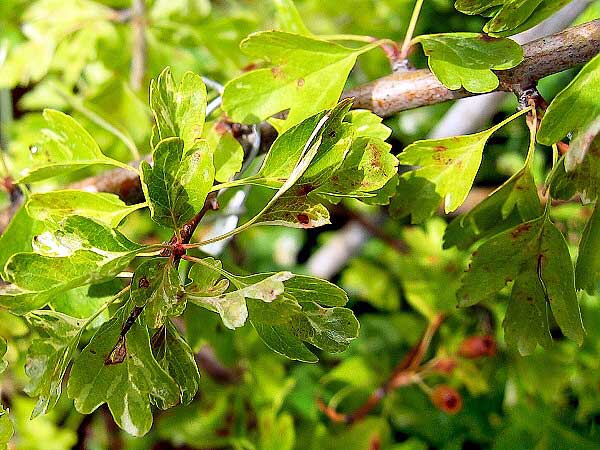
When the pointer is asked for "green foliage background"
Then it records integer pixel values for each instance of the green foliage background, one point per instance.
(548, 400)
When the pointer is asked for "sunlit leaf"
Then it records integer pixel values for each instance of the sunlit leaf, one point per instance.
(177, 183)
(179, 111)
(467, 59)
(66, 146)
(306, 76)
(102, 207)
(80, 252)
(155, 287)
(575, 109)
(49, 356)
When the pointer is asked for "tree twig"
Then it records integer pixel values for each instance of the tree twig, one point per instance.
(401, 91)
(405, 373)
(138, 53)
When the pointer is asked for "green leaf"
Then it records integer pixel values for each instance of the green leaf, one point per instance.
(17, 237)
(205, 279)
(3, 350)
(7, 429)
(476, 6)
(545, 9)
(372, 284)
(575, 109)
(305, 288)
(66, 146)
(55, 206)
(179, 111)
(467, 59)
(415, 197)
(532, 248)
(49, 356)
(368, 124)
(156, 288)
(297, 210)
(231, 306)
(584, 178)
(368, 166)
(288, 18)
(81, 252)
(306, 76)
(177, 359)
(126, 387)
(449, 163)
(177, 183)
(285, 325)
(228, 153)
(511, 16)
(587, 269)
(514, 202)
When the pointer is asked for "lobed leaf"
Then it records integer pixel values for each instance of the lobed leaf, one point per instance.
(49, 356)
(56, 205)
(126, 387)
(177, 183)
(66, 146)
(156, 287)
(306, 76)
(467, 59)
(531, 248)
(179, 111)
(81, 252)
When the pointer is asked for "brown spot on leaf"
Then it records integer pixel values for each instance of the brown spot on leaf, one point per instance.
(276, 71)
(300, 82)
(303, 218)
(440, 148)
(523, 228)
(144, 283)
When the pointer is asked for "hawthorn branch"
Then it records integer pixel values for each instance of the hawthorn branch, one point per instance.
(402, 91)
(406, 90)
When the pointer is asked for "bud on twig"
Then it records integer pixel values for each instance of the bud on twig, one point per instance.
(446, 399)
(477, 347)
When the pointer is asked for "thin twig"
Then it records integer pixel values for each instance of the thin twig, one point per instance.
(411, 30)
(405, 373)
(138, 52)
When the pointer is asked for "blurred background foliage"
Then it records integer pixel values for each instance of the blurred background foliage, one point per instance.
(75, 55)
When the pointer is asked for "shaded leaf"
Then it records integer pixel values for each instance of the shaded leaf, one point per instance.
(125, 387)
(535, 246)
(177, 359)
(514, 202)
(587, 269)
